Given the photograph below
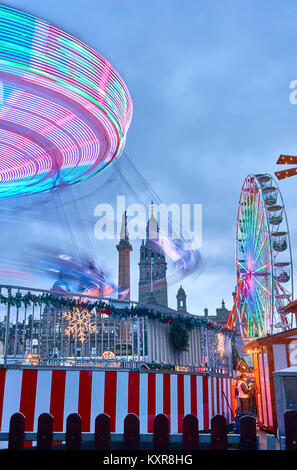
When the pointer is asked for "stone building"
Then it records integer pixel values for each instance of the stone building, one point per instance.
(221, 316)
(152, 287)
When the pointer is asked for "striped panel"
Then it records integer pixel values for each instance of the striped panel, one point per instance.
(133, 393)
(205, 402)
(110, 388)
(174, 388)
(143, 402)
(57, 398)
(180, 401)
(12, 396)
(97, 404)
(84, 399)
(121, 400)
(151, 400)
(90, 393)
(167, 397)
(2, 385)
(43, 395)
(71, 394)
(199, 400)
(193, 395)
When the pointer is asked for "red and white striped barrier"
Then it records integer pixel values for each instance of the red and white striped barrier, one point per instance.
(89, 393)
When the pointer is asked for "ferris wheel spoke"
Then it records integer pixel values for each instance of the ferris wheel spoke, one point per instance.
(259, 231)
(261, 247)
(263, 287)
(264, 309)
(256, 219)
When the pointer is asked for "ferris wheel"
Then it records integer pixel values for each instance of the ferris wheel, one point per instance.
(263, 260)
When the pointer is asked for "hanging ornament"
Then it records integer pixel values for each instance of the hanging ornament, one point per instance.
(79, 323)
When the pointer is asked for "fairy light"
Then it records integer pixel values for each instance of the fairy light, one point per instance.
(65, 111)
(79, 324)
(286, 160)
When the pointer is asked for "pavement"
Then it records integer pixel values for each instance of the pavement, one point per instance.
(262, 440)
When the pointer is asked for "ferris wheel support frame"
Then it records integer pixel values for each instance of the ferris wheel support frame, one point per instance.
(241, 303)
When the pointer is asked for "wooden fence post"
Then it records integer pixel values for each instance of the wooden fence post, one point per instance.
(73, 432)
(248, 434)
(102, 432)
(131, 432)
(290, 420)
(218, 433)
(190, 432)
(161, 432)
(16, 432)
(45, 432)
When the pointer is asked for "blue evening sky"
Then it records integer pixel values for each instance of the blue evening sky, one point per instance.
(210, 88)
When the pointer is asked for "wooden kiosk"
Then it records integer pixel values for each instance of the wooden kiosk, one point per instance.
(270, 354)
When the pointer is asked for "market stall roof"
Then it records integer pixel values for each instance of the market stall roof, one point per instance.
(288, 371)
(291, 307)
(271, 339)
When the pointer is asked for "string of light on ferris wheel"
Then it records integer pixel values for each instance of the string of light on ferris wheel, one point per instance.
(250, 223)
(261, 248)
(255, 314)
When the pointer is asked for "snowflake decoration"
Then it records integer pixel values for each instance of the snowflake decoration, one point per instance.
(79, 324)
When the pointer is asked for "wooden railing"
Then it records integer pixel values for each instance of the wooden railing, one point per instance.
(161, 439)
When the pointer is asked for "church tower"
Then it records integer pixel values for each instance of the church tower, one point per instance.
(181, 300)
(124, 248)
(152, 267)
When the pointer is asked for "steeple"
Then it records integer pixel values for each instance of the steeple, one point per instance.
(152, 228)
(152, 266)
(124, 234)
(181, 300)
(124, 247)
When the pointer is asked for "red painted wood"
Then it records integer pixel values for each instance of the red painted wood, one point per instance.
(248, 433)
(16, 432)
(205, 402)
(166, 396)
(102, 432)
(161, 432)
(84, 398)
(110, 390)
(180, 401)
(28, 397)
(131, 432)
(151, 401)
(45, 432)
(133, 393)
(290, 421)
(190, 432)
(57, 399)
(212, 397)
(218, 433)
(222, 396)
(218, 394)
(73, 432)
(2, 387)
(194, 395)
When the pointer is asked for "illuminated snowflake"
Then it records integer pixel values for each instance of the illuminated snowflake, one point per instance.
(79, 324)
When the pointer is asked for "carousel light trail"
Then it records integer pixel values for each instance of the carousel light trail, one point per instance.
(65, 111)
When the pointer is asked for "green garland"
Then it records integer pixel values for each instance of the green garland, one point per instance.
(179, 336)
(165, 367)
(179, 326)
